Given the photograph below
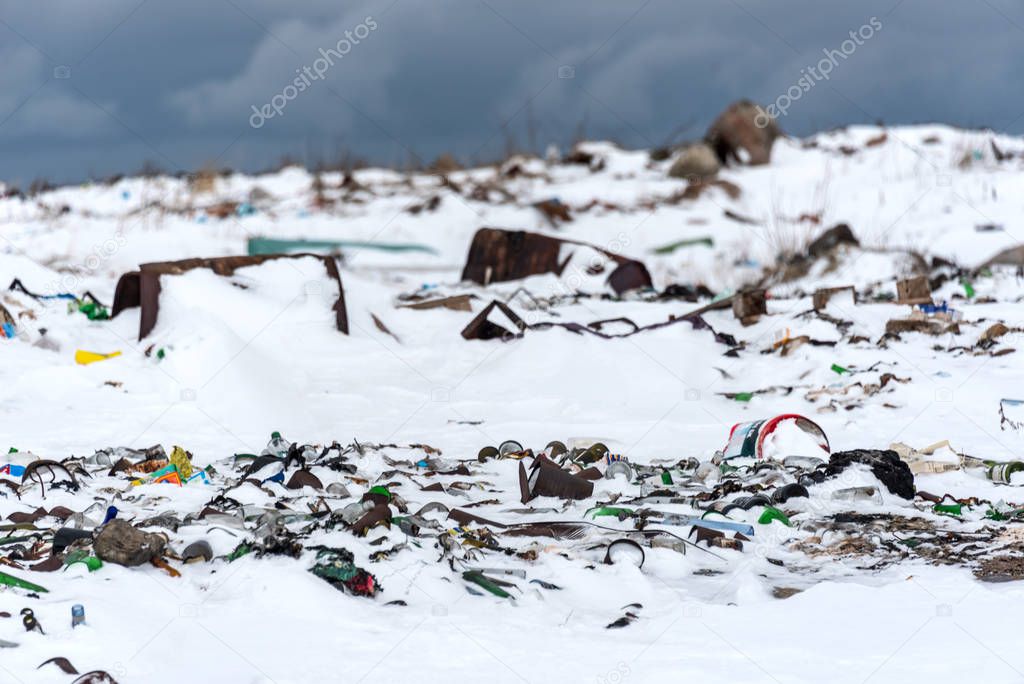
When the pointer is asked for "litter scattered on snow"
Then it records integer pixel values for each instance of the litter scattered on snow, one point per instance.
(463, 361)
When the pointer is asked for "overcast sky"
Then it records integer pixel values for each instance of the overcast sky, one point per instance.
(90, 89)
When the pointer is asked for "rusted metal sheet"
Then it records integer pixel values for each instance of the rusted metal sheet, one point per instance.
(822, 296)
(547, 479)
(749, 304)
(455, 303)
(498, 255)
(142, 288)
(630, 275)
(481, 328)
(914, 291)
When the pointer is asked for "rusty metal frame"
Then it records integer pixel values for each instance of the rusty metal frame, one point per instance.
(142, 288)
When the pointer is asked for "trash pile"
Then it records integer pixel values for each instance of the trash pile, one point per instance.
(486, 403)
(349, 513)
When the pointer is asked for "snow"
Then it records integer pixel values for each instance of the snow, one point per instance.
(790, 439)
(258, 352)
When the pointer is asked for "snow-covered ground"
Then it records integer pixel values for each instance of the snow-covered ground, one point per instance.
(241, 362)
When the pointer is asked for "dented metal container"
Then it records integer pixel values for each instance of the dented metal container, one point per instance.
(746, 440)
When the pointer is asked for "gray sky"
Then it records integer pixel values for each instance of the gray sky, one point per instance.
(175, 82)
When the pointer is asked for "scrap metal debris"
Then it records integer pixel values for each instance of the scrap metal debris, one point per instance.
(141, 288)
(497, 255)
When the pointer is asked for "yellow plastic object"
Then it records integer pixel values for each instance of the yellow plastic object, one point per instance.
(84, 358)
(179, 459)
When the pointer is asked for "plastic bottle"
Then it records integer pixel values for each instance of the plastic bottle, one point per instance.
(665, 542)
(12, 581)
(803, 462)
(865, 493)
(771, 513)
(708, 471)
(355, 511)
(1001, 473)
(277, 446)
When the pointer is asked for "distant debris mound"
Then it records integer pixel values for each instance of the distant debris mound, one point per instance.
(825, 246)
(445, 164)
(840, 234)
(744, 133)
(696, 162)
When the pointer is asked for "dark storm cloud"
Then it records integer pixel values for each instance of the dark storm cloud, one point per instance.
(97, 88)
